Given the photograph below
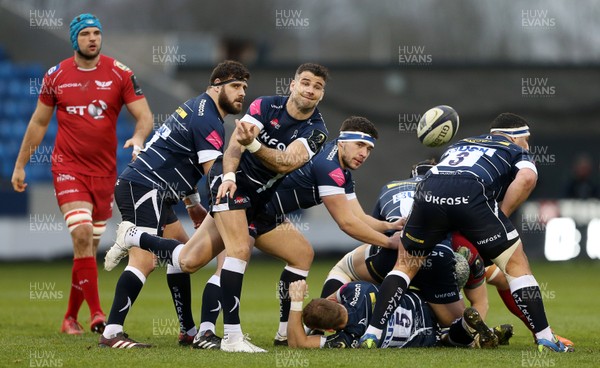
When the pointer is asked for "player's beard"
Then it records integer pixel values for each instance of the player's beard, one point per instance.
(89, 55)
(305, 107)
(228, 105)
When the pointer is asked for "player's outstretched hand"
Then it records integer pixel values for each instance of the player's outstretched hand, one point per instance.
(227, 187)
(245, 132)
(137, 147)
(298, 290)
(18, 180)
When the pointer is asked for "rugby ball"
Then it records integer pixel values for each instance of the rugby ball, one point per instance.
(462, 270)
(437, 126)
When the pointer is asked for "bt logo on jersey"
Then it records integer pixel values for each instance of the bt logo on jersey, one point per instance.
(77, 110)
(95, 109)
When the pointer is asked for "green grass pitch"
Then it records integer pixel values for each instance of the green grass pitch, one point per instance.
(34, 298)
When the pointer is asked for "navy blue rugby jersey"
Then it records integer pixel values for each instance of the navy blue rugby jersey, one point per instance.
(278, 130)
(395, 200)
(359, 298)
(320, 177)
(412, 324)
(172, 159)
(494, 159)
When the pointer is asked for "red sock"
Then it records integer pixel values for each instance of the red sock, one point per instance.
(75, 295)
(508, 300)
(87, 275)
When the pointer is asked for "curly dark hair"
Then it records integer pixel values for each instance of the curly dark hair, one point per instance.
(359, 124)
(229, 69)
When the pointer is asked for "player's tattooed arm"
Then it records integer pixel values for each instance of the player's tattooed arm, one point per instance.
(282, 162)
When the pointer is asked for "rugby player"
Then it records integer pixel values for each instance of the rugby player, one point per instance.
(326, 178)
(276, 136)
(88, 91)
(413, 323)
(436, 282)
(478, 183)
(181, 151)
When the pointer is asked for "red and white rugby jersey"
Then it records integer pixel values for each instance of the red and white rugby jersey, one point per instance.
(88, 102)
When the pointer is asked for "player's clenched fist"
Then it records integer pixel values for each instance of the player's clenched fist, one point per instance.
(18, 180)
(298, 290)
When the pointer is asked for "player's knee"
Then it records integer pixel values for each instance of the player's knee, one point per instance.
(99, 227)
(188, 267)
(191, 263)
(495, 277)
(309, 255)
(303, 258)
(504, 258)
(82, 238)
(79, 223)
(240, 252)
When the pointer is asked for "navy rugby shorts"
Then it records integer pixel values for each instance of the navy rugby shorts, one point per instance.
(445, 203)
(155, 211)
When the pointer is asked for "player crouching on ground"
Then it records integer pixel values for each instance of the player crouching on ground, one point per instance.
(413, 323)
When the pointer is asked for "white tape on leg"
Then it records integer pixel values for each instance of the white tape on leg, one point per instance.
(78, 217)
(502, 260)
